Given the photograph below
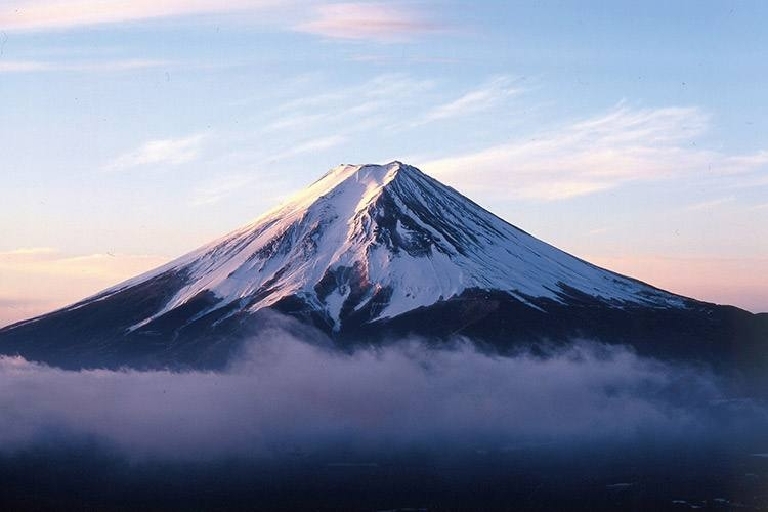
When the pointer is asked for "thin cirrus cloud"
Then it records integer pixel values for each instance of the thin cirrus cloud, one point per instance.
(395, 399)
(343, 113)
(42, 66)
(380, 91)
(486, 96)
(709, 205)
(599, 153)
(160, 152)
(355, 108)
(224, 186)
(37, 15)
(317, 144)
(380, 22)
(739, 281)
(39, 279)
(221, 188)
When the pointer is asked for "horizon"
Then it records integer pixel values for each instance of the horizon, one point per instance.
(299, 199)
(629, 136)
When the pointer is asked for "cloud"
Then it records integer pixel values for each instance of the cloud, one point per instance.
(223, 186)
(39, 279)
(47, 260)
(709, 205)
(757, 159)
(624, 145)
(342, 112)
(371, 104)
(385, 87)
(24, 66)
(367, 21)
(24, 252)
(741, 281)
(160, 152)
(41, 66)
(317, 144)
(295, 121)
(213, 191)
(382, 58)
(34, 15)
(282, 395)
(485, 97)
(14, 309)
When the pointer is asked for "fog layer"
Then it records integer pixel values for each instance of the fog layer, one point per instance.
(282, 395)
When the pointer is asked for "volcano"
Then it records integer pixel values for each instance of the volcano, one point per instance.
(370, 253)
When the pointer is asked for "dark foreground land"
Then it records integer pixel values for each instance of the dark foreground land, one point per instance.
(637, 477)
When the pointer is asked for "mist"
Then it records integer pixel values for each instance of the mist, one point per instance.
(281, 396)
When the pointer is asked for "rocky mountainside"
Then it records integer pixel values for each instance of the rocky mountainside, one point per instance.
(369, 253)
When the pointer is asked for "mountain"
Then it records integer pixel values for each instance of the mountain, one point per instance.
(369, 253)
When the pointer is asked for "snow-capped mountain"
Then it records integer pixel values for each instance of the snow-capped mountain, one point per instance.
(383, 234)
(364, 250)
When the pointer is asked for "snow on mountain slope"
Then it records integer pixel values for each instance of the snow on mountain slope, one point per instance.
(389, 235)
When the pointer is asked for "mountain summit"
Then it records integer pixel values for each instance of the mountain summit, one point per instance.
(385, 238)
(366, 251)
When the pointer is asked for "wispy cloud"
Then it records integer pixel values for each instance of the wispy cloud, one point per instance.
(385, 87)
(25, 252)
(380, 22)
(370, 403)
(214, 191)
(741, 281)
(41, 66)
(294, 121)
(160, 152)
(754, 160)
(318, 144)
(386, 58)
(24, 66)
(369, 104)
(50, 261)
(32, 15)
(708, 205)
(222, 187)
(384, 22)
(39, 279)
(595, 154)
(307, 123)
(487, 96)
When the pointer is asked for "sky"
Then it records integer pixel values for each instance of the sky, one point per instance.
(631, 134)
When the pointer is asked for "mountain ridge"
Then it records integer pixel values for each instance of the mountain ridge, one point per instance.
(370, 251)
(360, 219)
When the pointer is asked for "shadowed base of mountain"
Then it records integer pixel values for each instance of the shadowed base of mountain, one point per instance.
(644, 477)
(372, 254)
(101, 333)
(724, 337)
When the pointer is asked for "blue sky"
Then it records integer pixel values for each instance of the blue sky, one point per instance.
(633, 134)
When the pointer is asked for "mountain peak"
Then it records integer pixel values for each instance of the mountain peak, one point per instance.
(361, 177)
(366, 248)
(350, 186)
(379, 241)
(367, 174)
(365, 253)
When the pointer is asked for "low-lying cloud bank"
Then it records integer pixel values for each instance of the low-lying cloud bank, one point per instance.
(284, 396)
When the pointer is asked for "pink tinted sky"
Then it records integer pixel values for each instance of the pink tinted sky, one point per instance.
(630, 134)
